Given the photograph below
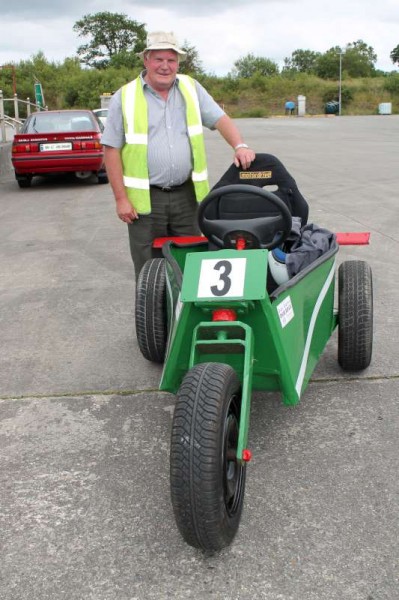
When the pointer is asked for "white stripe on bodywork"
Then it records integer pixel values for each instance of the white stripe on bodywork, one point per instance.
(317, 306)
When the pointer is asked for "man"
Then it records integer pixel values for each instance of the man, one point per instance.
(154, 148)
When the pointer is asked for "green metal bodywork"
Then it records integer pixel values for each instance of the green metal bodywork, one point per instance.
(275, 341)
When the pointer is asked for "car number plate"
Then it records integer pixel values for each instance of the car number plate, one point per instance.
(56, 146)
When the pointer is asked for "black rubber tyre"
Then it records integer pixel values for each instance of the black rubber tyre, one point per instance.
(102, 177)
(150, 310)
(24, 182)
(355, 330)
(207, 482)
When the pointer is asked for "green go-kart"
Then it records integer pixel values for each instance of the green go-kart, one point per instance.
(206, 309)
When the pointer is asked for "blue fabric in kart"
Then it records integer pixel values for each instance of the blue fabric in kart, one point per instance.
(311, 242)
(279, 255)
(304, 244)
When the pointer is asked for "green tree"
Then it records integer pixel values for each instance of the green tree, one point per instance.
(38, 68)
(83, 90)
(192, 63)
(249, 65)
(328, 63)
(391, 83)
(358, 60)
(124, 58)
(395, 55)
(302, 61)
(110, 35)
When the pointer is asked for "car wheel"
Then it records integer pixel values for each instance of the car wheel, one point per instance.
(24, 182)
(355, 313)
(102, 177)
(207, 481)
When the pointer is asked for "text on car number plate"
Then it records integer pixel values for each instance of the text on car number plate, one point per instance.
(57, 146)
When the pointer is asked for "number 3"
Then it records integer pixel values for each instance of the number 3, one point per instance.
(224, 277)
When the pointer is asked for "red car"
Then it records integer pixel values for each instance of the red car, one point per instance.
(59, 141)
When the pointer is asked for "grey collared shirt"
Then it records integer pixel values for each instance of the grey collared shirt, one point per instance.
(169, 150)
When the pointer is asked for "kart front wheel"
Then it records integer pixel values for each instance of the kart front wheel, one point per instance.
(207, 481)
(150, 310)
(355, 313)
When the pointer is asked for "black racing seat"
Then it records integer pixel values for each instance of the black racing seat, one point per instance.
(257, 217)
(266, 170)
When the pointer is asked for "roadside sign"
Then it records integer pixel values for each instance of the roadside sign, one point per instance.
(39, 96)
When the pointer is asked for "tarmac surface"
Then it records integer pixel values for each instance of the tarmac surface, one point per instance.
(85, 511)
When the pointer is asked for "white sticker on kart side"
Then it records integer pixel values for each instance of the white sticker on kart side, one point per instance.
(222, 278)
(285, 311)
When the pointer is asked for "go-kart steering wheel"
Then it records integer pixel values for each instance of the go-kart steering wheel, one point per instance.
(266, 231)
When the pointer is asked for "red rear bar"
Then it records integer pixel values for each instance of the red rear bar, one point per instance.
(344, 239)
(359, 238)
(187, 239)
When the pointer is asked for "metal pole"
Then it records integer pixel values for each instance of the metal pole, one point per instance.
(16, 107)
(340, 85)
(14, 80)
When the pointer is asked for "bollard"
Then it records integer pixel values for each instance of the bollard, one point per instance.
(301, 106)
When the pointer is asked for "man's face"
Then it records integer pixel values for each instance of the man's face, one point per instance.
(161, 66)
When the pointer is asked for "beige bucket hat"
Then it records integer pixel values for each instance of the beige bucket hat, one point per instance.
(163, 40)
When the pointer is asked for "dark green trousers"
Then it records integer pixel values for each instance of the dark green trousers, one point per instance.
(172, 213)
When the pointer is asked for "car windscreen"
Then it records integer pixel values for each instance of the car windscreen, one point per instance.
(57, 122)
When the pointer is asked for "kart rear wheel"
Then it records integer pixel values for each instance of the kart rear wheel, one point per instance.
(150, 310)
(355, 330)
(207, 481)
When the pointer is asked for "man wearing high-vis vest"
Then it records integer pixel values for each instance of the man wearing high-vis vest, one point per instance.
(154, 148)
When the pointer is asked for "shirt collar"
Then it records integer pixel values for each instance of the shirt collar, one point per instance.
(147, 85)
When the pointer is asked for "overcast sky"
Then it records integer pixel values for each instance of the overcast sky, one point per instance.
(221, 30)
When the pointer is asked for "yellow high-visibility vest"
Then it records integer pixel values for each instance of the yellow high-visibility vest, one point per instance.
(134, 152)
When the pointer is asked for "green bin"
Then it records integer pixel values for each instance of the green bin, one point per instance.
(332, 107)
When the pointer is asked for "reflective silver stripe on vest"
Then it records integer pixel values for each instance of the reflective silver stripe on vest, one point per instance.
(135, 182)
(202, 176)
(194, 130)
(130, 100)
(136, 138)
(193, 93)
